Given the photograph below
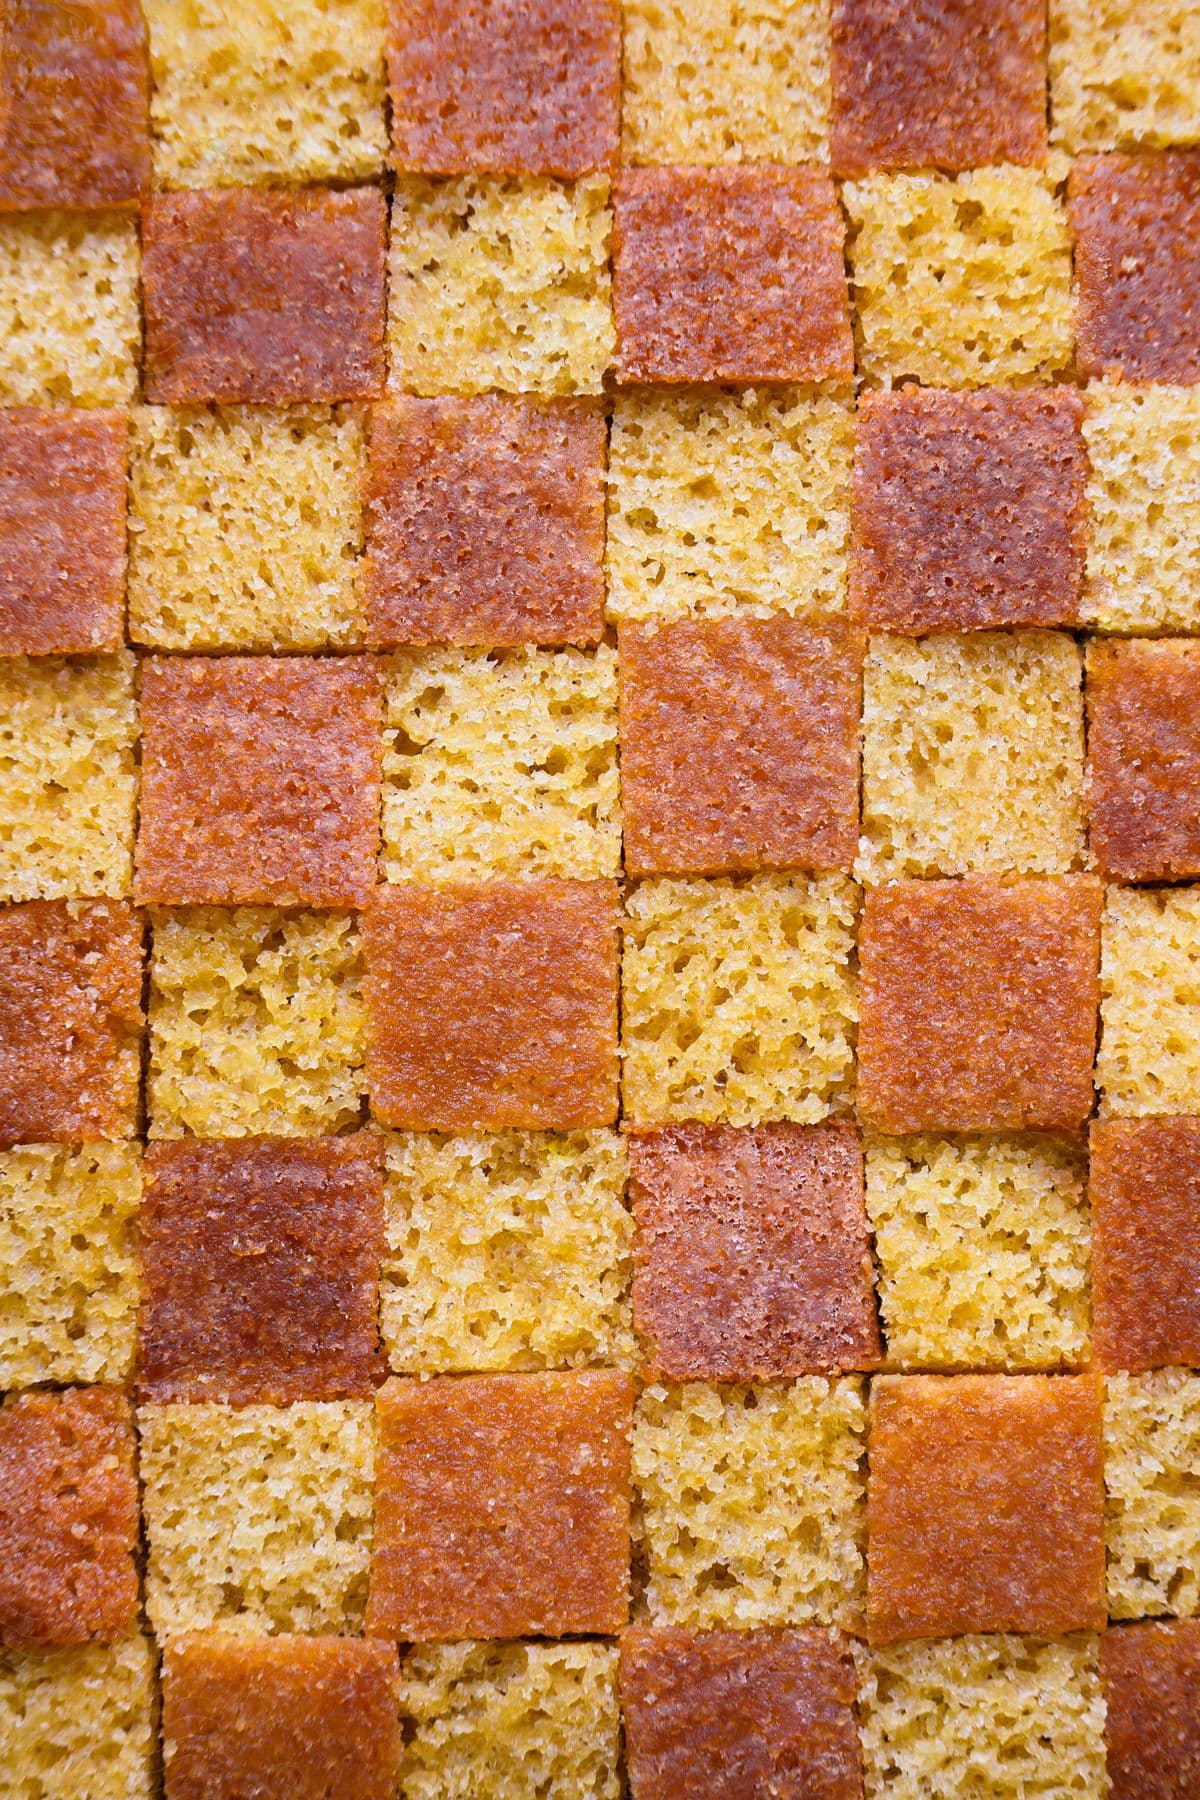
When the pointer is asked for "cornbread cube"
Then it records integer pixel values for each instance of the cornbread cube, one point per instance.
(1136, 221)
(256, 1023)
(62, 530)
(979, 1003)
(492, 1005)
(69, 1295)
(79, 1721)
(260, 780)
(960, 281)
(752, 1255)
(506, 1252)
(70, 1021)
(258, 1518)
(249, 91)
(506, 1721)
(728, 502)
(70, 328)
(970, 510)
(502, 1506)
(1152, 1509)
(500, 282)
(1150, 990)
(1145, 1199)
(245, 526)
(739, 744)
(739, 999)
(749, 1503)
(306, 1716)
(68, 1518)
(729, 274)
(982, 1251)
(1124, 74)
(973, 755)
(1151, 1676)
(260, 1270)
(274, 297)
(1143, 563)
(1143, 785)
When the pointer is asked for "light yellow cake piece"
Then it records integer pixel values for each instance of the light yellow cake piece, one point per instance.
(1149, 1057)
(70, 327)
(1124, 74)
(1152, 1506)
(1143, 560)
(78, 1724)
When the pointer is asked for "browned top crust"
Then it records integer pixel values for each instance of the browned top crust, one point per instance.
(969, 510)
(504, 87)
(1151, 1676)
(263, 295)
(74, 100)
(68, 1518)
(752, 1259)
(1145, 1199)
(1143, 782)
(730, 274)
(492, 1005)
(260, 780)
(1136, 221)
(260, 1270)
(70, 1021)
(502, 1506)
(485, 522)
(306, 1717)
(730, 1714)
(985, 1506)
(979, 1004)
(941, 84)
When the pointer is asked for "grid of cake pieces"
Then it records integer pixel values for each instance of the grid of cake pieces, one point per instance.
(599, 900)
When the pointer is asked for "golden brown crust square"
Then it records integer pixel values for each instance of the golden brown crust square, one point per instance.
(1144, 1188)
(1143, 782)
(1151, 1676)
(1136, 221)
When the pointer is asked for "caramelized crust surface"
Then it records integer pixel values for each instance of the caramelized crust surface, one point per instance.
(1151, 1676)
(1143, 785)
(1144, 1189)
(1136, 221)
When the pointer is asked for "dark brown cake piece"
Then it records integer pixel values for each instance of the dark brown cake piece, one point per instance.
(263, 295)
(260, 780)
(1151, 1676)
(485, 522)
(68, 1518)
(730, 274)
(1144, 1187)
(985, 1506)
(1143, 781)
(1136, 221)
(502, 1506)
(492, 1005)
(752, 1258)
(979, 1004)
(969, 511)
(739, 745)
(260, 1266)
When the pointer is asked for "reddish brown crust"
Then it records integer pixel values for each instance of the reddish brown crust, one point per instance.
(979, 1004)
(752, 1259)
(1143, 782)
(730, 274)
(1151, 1676)
(739, 745)
(70, 1021)
(492, 1005)
(969, 510)
(502, 1506)
(260, 780)
(985, 1506)
(263, 295)
(485, 522)
(729, 1714)
(68, 1518)
(1145, 1206)
(260, 1266)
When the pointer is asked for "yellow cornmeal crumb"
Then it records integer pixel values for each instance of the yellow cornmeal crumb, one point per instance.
(717, 81)
(69, 1291)
(725, 502)
(1124, 74)
(258, 1518)
(739, 1000)
(78, 1723)
(256, 1023)
(1152, 1507)
(749, 1503)
(245, 527)
(982, 1718)
(1143, 561)
(508, 1252)
(1149, 1057)
(961, 281)
(501, 764)
(251, 91)
(972, 755)
(507, 1721)
(70, 326)
(982, 1247)
(68, 777)
(500, 283)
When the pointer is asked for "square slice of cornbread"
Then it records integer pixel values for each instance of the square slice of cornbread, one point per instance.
(1144, 1190)
(1143, 558)
(70, 327)
(79, 1721)
(1124, 73)
(1151, 1676)
(1143, 782)
(1136, 223)
(1152, 1509)
(1147, 1062)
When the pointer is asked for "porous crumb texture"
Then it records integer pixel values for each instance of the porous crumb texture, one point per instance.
(1143, 556)
(1149, 1058)
(1124, 74)
(70, 329)
(1152, 1508)
(79, 1721)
